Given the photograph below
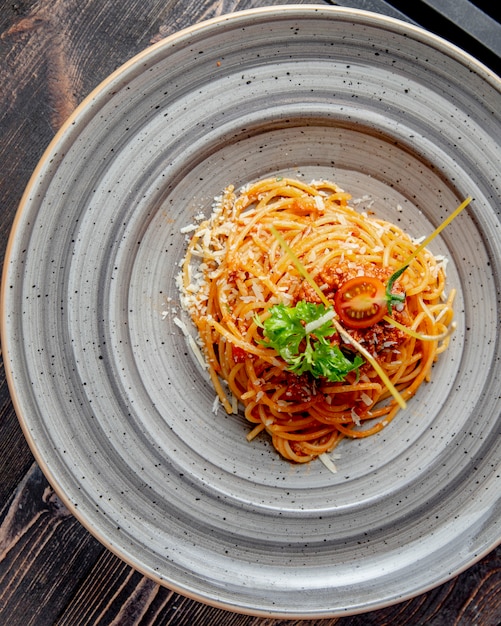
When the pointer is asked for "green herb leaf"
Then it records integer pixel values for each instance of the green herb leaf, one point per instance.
(285, 331)
(394, 298)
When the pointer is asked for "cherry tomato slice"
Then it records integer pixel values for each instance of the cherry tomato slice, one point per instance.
(361, 302)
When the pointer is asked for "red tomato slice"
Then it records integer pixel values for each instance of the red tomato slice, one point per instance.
(361, 302)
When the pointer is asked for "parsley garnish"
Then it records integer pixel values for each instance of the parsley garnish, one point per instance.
(286, 331)
(392, 299)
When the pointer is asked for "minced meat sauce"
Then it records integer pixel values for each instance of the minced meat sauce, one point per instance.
(376, 338)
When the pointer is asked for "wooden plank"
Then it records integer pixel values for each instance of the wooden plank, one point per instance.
(115, 593)
(43, 554)
(466, 16)
(15, 455)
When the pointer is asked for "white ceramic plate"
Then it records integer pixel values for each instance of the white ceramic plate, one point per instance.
(112, 401)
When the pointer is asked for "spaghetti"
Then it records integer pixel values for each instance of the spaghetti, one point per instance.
(281, 243)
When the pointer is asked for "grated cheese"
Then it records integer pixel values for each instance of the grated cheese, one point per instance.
(188, 229)
(366, 399)
(327, 461)
(215, 404)
(319, 202)
(191, 342)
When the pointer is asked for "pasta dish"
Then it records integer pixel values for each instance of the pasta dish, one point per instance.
(319, 320)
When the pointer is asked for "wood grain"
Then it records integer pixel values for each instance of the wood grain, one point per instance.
(52, 571)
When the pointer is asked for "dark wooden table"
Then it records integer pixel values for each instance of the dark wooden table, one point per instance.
(52, 571)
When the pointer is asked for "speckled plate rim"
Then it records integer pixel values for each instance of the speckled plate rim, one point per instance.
(78, 117)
